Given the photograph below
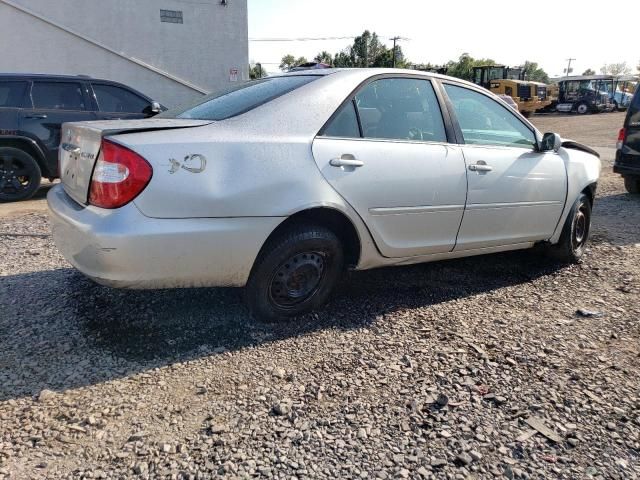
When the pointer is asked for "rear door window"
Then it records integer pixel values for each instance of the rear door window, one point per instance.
(58, 96)
(401, 109)
(241, 98)
(344, 124)
(12, 94)
(114, 99)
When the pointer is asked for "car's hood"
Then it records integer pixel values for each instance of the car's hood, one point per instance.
(566, 143)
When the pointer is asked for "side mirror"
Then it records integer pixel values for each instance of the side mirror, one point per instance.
(550, 142)
(153, 109)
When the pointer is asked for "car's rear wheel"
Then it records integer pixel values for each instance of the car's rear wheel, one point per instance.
(632, 184)
(20, 175)
(575, 233)
(295, 273)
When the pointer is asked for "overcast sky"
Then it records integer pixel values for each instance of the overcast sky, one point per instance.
(442, 30)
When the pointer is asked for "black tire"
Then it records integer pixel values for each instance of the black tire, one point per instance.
(632, 184)
(20, 175)
(575, 233)
(294, 273)
(527, 114)
(582, 109)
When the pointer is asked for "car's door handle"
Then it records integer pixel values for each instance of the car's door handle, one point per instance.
(39, 116)
(346, 161)
(480, 167)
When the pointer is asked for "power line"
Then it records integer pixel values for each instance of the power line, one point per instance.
(301, 39)
(315, 39)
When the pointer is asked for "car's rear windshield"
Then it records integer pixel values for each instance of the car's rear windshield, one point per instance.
(239, 99)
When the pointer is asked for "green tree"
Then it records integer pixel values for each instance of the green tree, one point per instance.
(287, 62)
(589, 71)
(324, 57)
(343, 60)
(256, 71)
(534, 73)
(368, 51)
(615, 69)
(463, 68)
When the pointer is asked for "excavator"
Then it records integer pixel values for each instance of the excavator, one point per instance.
(529, 96)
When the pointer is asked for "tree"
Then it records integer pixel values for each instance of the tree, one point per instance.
(463, 68)
(589, 71)
(534, 73)
(324, 57)
(615, 69)
(368, 51)
(289, 61)
(256, 71)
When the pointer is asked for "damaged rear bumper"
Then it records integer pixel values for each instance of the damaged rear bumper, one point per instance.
(124, 249)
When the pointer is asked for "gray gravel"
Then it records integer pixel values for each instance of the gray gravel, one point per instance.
(477, 368)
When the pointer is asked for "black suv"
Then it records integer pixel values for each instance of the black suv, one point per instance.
(628, 154)
(32, 110)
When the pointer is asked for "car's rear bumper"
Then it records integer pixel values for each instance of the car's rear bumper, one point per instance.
(122, 248)
(624, 169)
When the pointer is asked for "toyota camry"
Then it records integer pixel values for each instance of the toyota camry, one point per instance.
(280, 184)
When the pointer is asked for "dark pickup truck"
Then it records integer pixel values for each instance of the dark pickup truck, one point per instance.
(32, 111)
(628, 155)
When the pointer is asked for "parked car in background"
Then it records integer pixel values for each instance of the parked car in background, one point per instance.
(32, 110)
(310, 66)
(381, 167)
(627, 161)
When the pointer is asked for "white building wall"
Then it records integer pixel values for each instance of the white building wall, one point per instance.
(115, 39)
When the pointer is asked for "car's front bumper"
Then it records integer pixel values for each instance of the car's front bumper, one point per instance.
(122, 248)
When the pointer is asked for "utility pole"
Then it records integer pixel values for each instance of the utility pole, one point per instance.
(395, 40)
(569, 66)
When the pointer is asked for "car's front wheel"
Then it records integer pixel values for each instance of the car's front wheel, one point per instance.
(20, 175)
(295, 273)
(632, 184)
(575, 233)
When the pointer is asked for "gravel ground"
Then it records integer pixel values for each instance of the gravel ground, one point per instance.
(474, 368)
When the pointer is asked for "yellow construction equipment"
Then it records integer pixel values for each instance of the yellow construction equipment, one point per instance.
(529, 96)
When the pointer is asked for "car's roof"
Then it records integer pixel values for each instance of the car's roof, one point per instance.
(14, 76)
(371, 72)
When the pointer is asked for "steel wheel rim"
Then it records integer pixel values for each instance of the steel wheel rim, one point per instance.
(580, 228)
(582, 109)
(297, 280)
(14, 176)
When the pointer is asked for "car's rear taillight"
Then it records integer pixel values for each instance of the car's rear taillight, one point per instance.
(622, 136)
(119, 176)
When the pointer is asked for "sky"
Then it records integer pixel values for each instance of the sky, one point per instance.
(439, 31)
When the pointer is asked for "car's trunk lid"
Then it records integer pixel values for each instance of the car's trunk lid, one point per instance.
(80, 147)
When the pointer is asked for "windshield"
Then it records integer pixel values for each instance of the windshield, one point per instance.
(239, 99)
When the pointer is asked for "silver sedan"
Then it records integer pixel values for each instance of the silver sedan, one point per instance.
(281, 184)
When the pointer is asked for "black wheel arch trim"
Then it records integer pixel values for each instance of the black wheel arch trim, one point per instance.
(39, 156)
